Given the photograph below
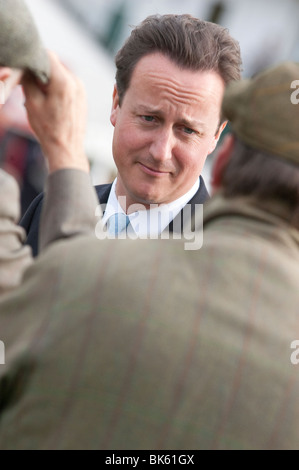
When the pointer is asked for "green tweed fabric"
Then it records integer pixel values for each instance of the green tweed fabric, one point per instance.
(264, 110)
(135, 344)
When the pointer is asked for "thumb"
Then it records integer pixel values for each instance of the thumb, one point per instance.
(34, 90)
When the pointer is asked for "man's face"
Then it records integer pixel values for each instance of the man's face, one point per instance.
(165, 127)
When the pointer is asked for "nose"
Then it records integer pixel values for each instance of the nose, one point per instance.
(162, 146)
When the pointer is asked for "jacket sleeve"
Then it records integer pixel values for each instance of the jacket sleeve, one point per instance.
(15, 257)
(69, 207)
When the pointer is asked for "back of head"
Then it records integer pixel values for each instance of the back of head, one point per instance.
(20, 44)
(265, 120)
(190, 42)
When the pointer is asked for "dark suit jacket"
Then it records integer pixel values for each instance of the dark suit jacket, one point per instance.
(31, 220)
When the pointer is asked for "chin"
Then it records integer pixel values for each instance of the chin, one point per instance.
(146, 197)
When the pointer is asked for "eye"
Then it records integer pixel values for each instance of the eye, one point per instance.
(148, 118)
(189, 131)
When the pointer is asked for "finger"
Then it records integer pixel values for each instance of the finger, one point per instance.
(59, 73)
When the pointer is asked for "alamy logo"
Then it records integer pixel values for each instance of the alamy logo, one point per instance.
(2, 353)
(295, 94)
(2, 92)
(187, 225)
(295, 355)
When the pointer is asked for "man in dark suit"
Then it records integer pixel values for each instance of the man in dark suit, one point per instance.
(167, 120)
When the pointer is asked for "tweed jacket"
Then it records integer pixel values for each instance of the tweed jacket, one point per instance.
(15, 257)
(128, 345)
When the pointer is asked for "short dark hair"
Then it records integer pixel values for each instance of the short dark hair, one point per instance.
(264, 178)
(190, 42)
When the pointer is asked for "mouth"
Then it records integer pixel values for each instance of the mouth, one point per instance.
(152, 171)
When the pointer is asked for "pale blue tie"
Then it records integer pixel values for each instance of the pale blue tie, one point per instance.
(117, 223)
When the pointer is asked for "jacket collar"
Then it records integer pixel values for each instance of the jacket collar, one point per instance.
(272, 218)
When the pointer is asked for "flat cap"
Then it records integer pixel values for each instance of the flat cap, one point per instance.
(264, 110)
(20, 43)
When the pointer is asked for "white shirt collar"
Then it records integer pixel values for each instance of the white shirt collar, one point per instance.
(152, 222)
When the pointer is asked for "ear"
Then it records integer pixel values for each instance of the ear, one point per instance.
(115, 106)
(222, 159)
(217, 137)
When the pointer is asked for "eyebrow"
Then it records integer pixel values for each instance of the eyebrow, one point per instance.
(157, 112)
(193, 124)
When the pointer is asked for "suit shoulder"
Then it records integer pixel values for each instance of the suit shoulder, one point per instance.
(203, 192)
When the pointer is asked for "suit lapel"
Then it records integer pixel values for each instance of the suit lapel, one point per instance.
(103, 191)
(200, 197)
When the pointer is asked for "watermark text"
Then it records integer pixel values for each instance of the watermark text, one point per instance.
(295, 354)
(295, 94)
(149, 223)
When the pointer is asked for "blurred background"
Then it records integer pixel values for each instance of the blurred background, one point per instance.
(86, 35)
